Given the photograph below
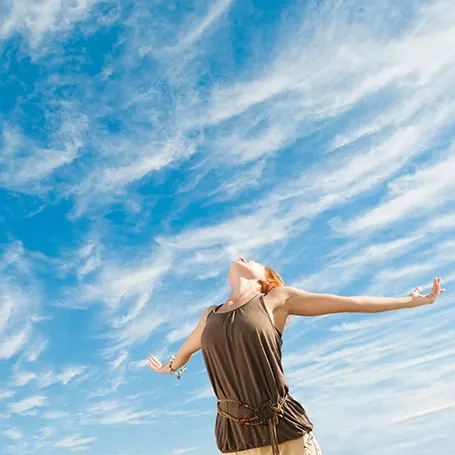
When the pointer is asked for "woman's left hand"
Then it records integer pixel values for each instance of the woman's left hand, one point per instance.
(418, 299)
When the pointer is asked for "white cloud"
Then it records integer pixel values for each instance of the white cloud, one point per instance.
(206, 392)
(27, 404)
(65, 377)
(112, 387)
(47, 432)
(119, 360)
(126, 416)
(7, 310)
(429, 189)
(352, 262)
(113, 412)
(115, 283)
(55, 415)
(181, 332)
(69, 374)
(18, 303)
(216, 10)
(74, 441)
(35, 350)
(130, 162)
(22, 378)
(127, 293)
(12, 433)
(5, 394)
(14, 343)
(37, 18)
(360, 325)
(90, 256)
(138, 364)
(441, 222)
(26, 166)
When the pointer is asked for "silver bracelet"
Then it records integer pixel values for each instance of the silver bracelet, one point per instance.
(174, 372)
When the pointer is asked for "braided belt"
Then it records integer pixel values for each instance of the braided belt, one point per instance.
(267, 413)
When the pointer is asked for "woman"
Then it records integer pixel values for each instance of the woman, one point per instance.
(241, 343)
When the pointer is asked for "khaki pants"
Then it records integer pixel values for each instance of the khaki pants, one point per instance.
(306, 445)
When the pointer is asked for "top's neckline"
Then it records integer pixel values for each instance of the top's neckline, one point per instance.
(215, 311)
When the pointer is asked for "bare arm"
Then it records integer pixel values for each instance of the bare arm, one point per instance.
(190, 346)
(302, 303)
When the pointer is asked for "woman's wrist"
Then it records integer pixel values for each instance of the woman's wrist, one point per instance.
(171, 364)
(173, 370)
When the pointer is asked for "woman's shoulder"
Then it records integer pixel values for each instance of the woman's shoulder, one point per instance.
(208, 310)
(275, 298)
(206, 313)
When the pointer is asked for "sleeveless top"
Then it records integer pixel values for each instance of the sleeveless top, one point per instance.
(242, 353)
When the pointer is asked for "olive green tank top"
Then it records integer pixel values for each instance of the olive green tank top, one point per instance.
(242, 353)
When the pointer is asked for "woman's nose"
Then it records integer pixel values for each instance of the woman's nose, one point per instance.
(242, 259)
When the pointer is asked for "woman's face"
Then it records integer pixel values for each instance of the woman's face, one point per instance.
(248, 269)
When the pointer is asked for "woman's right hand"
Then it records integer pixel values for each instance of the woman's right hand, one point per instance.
(157, 366)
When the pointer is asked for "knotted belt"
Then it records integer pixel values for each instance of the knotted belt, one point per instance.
(267, 413)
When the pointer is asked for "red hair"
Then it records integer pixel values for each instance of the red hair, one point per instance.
(272, 280)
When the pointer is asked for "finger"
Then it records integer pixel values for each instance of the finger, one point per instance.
(153, 361)
(434, 294)
(153, 358)
(438, 286)
(437, 282)
(435, 285)
(434, 289)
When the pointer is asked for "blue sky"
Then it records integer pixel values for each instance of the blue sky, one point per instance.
(144, 145)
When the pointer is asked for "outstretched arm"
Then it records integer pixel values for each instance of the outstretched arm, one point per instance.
(191, 345)
(302, 303)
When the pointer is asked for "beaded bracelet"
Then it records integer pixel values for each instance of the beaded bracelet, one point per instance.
(174, 372)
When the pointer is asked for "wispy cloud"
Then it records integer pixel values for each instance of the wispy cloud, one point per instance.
(119, 360)
(21, 378)
(5, 394)
(206, 392)
(12, 433)
(28, 405)
(181, 332)
(19, 304)
(35, 19)
(55, 415)
(27, 166)
(115, 413)
(35, 350)
(14, 343)
(74, 441)
(428, 189)
(65, 377)
(215, 11)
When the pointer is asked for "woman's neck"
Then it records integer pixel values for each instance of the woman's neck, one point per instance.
(238, 296)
